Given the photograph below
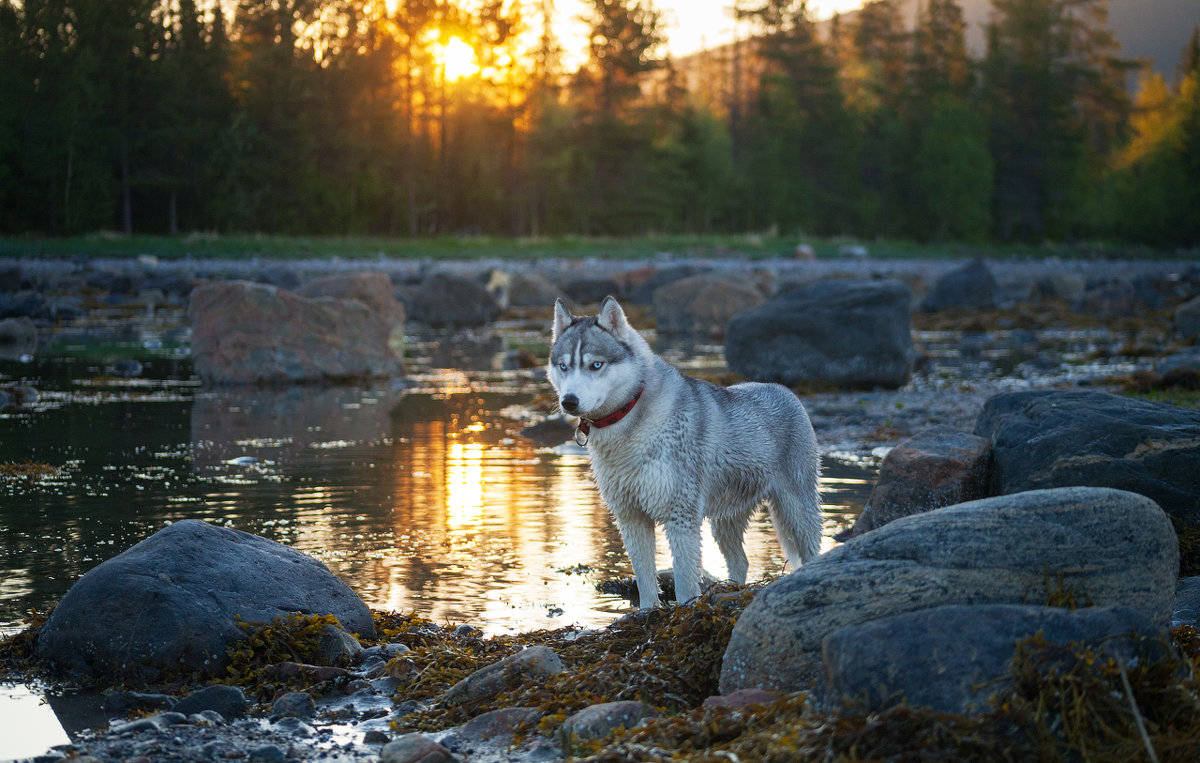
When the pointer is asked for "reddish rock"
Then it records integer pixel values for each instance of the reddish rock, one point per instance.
(741, 699)
(934, 468)
(250, 333)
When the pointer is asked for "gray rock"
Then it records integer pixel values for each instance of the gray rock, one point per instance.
(336, 647)
(229, 701)
(1180, 361)
(246, 333)
(848, 333)
(938, 467)
(172, 602)
(1109, 300)
(1187, 319)
(643, 293)
(451, 301)
(701, 306)
(536, 662)
(296, 704)
(372, 288)
(384, 652)
(268, 753)
(600, 720)
(498, 724)
(1056, 438)
(1104, 547)
(118, 704)
(532, 290)
(970, 287)
(590, 291)
(18, 337)
(160, 722)
(1187, 603)
(1060, 286)
(953, 658)
(414, 748)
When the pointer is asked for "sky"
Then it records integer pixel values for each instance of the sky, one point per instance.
(690, 25)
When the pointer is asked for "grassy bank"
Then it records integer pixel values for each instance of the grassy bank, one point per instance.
(755, 246)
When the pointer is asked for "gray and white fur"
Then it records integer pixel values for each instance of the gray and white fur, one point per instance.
(688, 449)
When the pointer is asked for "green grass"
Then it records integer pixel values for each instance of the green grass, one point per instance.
(754, 246)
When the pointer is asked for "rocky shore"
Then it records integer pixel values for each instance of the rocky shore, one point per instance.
(1025, 551)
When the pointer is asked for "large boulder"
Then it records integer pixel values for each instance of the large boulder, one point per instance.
(953, 658)
(848, 333)
(1095, 545)
(700, 306)
(1055, 438)
(372, 288)
(450, 301)
(938, 467)
(251, 333)
(970, 287)
(174, 603)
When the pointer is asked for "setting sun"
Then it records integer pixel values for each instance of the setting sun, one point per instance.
(457, 59)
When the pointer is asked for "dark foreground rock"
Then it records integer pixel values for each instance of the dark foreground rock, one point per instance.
(172, 603)
(847, 333)
(249, 333)
(1056, 438)
(1104, 547)
(953, 658)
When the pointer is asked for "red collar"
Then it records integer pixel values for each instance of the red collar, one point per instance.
(585, 426)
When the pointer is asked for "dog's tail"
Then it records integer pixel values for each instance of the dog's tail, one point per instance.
(795, 511)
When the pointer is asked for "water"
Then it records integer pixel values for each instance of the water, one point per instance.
(423, 496)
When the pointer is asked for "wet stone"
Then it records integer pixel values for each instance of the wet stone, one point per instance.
(414, 748)
(295, 704)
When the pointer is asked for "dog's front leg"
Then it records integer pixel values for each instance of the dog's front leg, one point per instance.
(683, 536)
(637, 532)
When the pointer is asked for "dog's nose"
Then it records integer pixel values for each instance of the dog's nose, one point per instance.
(570, 403)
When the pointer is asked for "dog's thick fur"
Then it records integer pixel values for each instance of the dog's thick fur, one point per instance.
(687, 449)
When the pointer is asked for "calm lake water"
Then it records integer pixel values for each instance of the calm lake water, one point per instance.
(421, 495)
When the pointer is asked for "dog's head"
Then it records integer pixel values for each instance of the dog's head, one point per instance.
(594, 360)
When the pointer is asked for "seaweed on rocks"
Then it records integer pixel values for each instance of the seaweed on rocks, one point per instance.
(668, 657)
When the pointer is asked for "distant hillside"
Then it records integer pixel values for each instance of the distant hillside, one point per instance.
(1154, 30)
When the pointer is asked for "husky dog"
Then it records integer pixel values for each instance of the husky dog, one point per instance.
(670, 449)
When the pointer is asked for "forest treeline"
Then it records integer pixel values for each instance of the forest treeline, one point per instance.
(351, 117)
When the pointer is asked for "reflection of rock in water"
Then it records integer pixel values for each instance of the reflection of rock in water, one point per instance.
(283, 424)
(469, 350)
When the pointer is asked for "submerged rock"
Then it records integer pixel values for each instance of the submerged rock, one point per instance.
(1095, 545)
(175, 602)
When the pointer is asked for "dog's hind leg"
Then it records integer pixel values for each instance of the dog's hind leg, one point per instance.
(684, 539)
(796, 516)
(637, 532)
(729, 532)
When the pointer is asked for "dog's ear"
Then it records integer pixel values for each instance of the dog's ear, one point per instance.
(562, 318)
(612, 317)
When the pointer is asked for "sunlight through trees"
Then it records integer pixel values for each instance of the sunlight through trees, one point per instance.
(433, 117)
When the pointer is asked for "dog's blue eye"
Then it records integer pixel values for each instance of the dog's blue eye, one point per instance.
(597, 365)
(562, 366)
